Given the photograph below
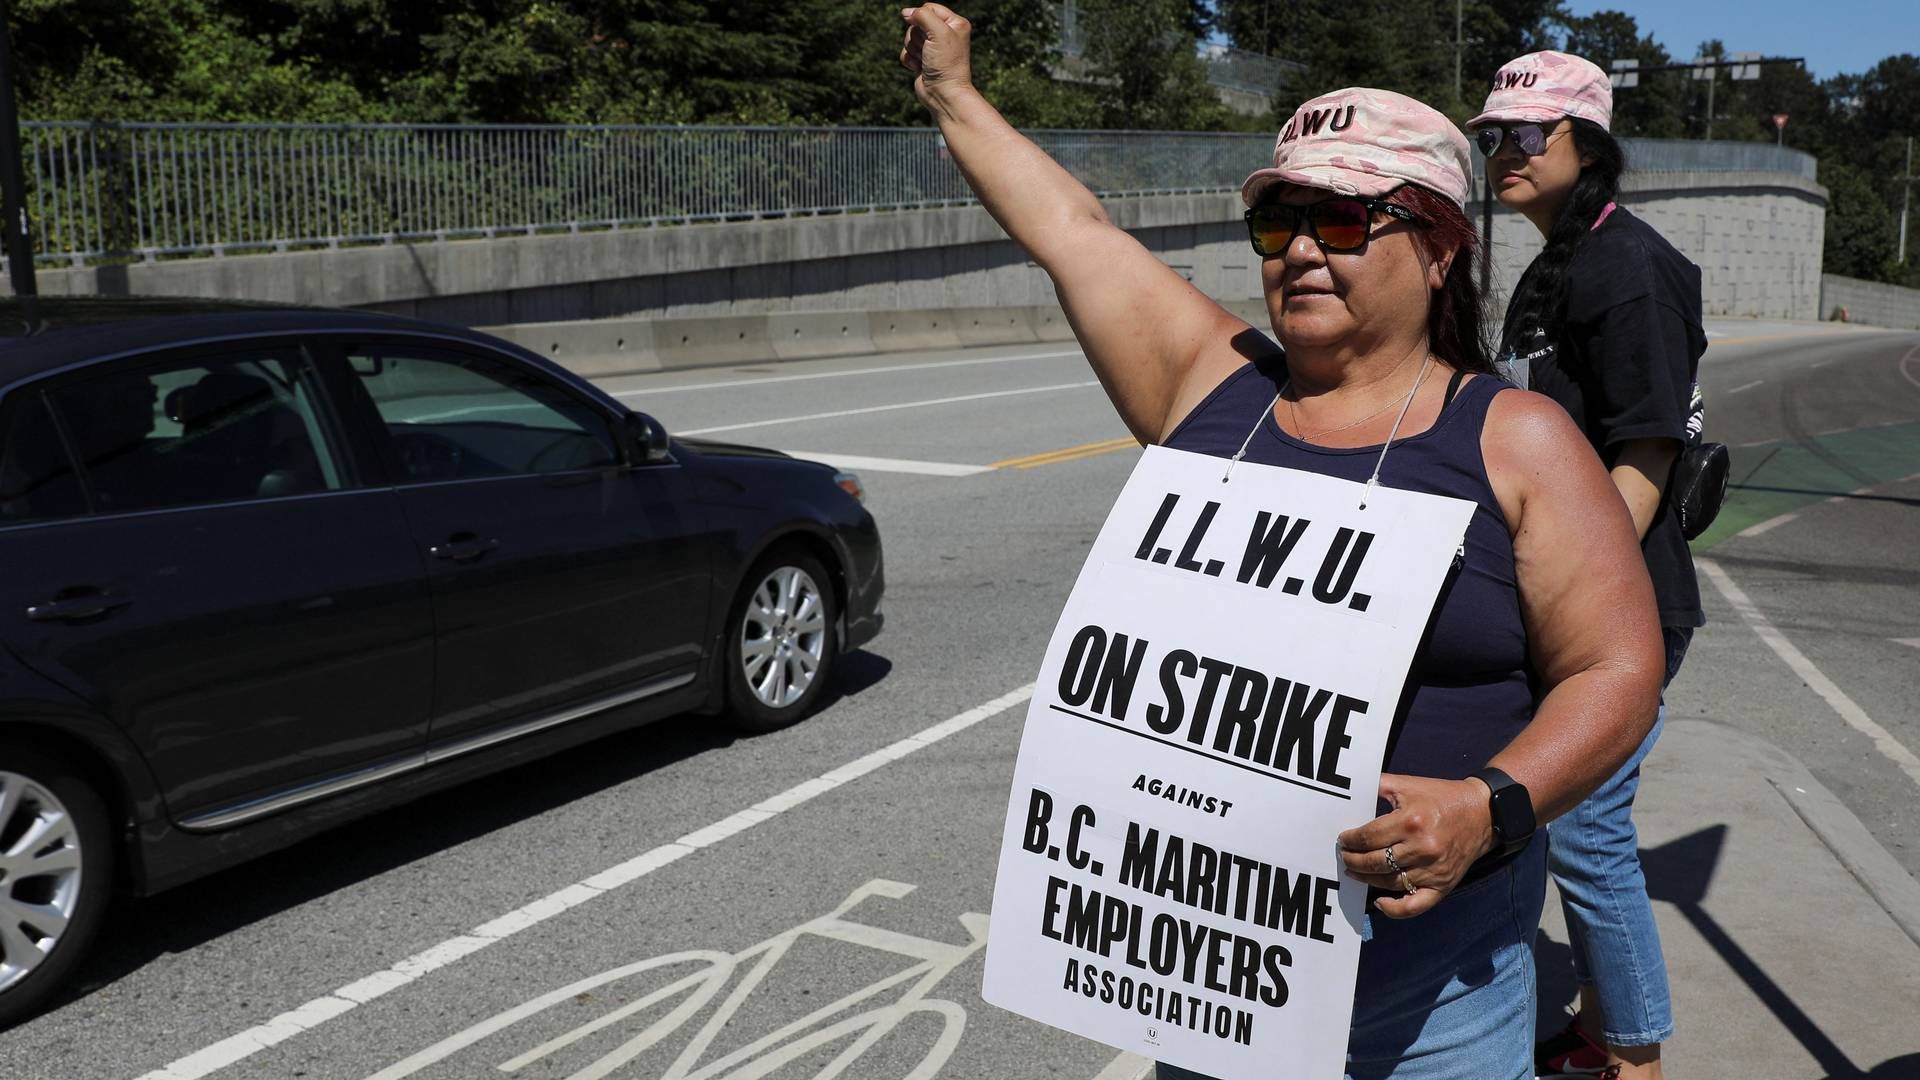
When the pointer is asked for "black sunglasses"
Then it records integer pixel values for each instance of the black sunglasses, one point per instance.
(1342, 224)
(1530, 139)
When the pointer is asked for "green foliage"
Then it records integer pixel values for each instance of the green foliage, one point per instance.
(1860, 236)
(831, 62)
(1145, 74)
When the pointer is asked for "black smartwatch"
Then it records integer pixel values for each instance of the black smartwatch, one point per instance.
(1512, 811)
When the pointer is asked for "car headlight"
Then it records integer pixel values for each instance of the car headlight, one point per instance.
(851, 484)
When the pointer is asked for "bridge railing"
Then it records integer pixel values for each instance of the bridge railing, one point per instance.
(100, 191)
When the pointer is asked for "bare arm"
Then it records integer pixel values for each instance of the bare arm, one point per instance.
(1143, 326)
(1640, 471)
(1586, 600)
(1595, 638)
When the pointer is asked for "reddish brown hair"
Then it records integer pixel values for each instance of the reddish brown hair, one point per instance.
(1457, 315)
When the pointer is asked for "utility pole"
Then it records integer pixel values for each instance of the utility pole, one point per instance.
(14, 229)
(1712, 78)
(1459, 45)
(1906, 200)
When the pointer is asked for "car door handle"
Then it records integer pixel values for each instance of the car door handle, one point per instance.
(73, 605)
(462, 547)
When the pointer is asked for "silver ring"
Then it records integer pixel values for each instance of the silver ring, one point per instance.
(1391, 861)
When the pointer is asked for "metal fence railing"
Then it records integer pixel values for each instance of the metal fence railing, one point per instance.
(107, 191)
(1694, 155)
(149, 190)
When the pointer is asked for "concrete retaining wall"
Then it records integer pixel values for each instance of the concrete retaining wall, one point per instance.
(727, 292)
(1757, 238)
(1869, 302)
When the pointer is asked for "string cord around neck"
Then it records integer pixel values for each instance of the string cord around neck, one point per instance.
(1372, 481)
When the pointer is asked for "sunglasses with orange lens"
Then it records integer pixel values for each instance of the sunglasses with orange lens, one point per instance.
(1342, 224)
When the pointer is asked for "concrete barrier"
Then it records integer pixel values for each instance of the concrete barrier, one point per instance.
(1869, 302)
(594, 349)
(626, 346)
(994, 326)
(711, 342)
(906, 330)
(804, 335)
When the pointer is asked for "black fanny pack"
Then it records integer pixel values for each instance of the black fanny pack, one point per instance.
(1699, 482)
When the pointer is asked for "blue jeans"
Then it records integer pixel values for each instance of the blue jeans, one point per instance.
(1450, 994)
(1595, 859)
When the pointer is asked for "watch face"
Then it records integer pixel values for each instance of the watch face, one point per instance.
(1513, 812)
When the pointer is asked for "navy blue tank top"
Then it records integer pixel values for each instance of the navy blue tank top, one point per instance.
(1472, 685)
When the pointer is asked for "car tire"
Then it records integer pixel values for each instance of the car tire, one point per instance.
(49, 814)
(781, 641)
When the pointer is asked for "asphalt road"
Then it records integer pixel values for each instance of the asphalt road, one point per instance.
(492, 926)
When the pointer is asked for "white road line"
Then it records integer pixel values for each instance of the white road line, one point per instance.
(237, 1048)
(1907, 359)
(1767, 525)
(1856, 717)
(649, 391)
(890, 408)
(1912, 641)
(1748, 386)
(1818, 364)
(895, 465)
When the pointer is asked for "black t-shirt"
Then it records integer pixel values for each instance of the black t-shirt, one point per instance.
(1624, 368)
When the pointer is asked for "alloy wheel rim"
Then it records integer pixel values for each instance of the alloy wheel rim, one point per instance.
(783, 637)
(39, 875)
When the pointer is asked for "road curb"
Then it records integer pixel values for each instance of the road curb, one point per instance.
(1837, 828)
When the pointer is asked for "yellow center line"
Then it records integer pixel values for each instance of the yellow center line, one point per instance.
(1071, 453)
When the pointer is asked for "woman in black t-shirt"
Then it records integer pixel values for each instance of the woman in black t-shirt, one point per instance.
(1606, 321)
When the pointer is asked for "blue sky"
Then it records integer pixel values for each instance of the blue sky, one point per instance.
(1834, 35)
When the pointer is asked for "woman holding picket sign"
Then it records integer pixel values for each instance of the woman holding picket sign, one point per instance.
(1365, 251)
(1605, 321)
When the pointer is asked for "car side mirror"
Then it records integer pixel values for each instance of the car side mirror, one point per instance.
(647, 440)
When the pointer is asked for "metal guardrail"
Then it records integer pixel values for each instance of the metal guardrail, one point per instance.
(115, 191)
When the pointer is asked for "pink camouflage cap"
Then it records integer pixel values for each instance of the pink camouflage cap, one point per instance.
(1360, 141)
(1542, 87)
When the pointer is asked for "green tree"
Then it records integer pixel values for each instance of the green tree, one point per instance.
(1143, 66)
(165, 60)
(1860, 237)
(1652, 109)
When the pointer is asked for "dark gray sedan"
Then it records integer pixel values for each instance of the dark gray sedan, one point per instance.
(268, 569)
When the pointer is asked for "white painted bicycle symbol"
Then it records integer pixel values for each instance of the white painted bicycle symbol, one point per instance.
(687, 996)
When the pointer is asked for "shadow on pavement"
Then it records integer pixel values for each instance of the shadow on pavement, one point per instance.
(1679, 873)
(201, 911)
(1901, 500)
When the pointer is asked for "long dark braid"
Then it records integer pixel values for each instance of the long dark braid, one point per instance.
(1540, 302)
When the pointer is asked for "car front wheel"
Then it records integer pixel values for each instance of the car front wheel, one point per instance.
(56, 874)
(780, 641)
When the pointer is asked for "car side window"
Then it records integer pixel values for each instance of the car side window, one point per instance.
(457, 416)
(37, 478)
(204, 430)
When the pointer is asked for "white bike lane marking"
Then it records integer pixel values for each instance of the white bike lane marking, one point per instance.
(313, 1014)
(1856, 717)
(825, 1026)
